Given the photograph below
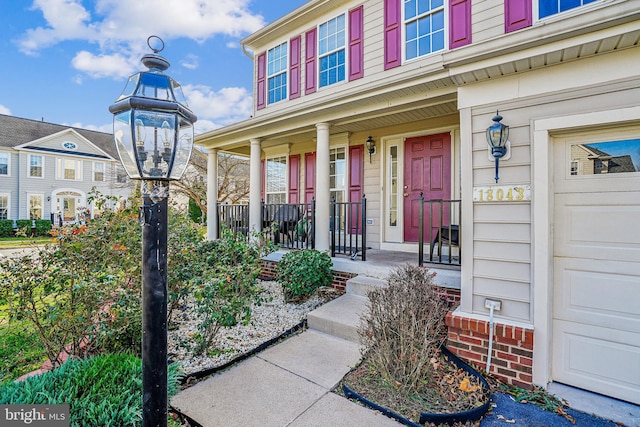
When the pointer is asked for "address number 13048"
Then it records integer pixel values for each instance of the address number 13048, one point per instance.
(502, 193)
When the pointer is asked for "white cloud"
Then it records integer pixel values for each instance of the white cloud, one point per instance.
(100, 128)
(4, 110)
(114, 65)
(191, 62)
(222, 107)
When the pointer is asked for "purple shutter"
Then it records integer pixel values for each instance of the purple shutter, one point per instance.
(356, 181)
(310, 62)
(460, 23)
(294, 67)
(261, 86)
(392, 34)
(294, 178)
(356, 43)
(309, 176)
(517, 15)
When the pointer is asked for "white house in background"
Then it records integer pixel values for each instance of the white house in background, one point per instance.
(559, 249)
(47, 171)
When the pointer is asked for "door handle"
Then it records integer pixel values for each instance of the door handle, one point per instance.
(406, 194)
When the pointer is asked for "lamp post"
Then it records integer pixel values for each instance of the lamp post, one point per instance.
(153, 133)
(497, 137)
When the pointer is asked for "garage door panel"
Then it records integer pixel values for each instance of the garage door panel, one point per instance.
(597, 359)
(598, 226)
(606, 294)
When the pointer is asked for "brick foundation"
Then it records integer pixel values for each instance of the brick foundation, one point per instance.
(512, 353)
(268, 269)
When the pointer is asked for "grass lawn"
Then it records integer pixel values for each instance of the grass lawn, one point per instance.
(16, 242)
(21, 351)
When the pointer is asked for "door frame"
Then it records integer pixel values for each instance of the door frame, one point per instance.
(543, 191)
(388, 240)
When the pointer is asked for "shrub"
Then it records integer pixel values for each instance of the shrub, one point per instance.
(227, 287)
(43, 227)
(102, 391)
(404, 327)
(302, 272)
(6, 227)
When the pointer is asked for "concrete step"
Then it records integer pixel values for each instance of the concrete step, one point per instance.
(362, 285)
(340, 317)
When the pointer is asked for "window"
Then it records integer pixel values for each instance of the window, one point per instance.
(424, 27)
(553, 7)
(4, 206)
(35, 206)
(337, 173)
(36, 165)
(277, 73)
(276, 184)
(69, 169)
(98, 171)
(393, 179)
(331, 51)
(605, 157)
(4, 164)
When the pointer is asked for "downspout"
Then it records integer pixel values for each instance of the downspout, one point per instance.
(246, 52)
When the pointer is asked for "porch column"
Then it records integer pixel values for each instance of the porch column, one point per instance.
(255, 186)
(212, 194)
(323, 189)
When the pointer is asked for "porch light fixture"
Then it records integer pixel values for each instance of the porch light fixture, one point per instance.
(497, 136)
(371, 147)
(153, 133)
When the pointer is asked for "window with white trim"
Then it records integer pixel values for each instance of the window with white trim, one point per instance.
(277, 64)
(553, 7)
(424, 27)
(338, 173)
(69, 169)
(36, 166)
(4, 206)
(4, 164)
(36, 202)
(331, 50)
(276, 180)
(99, 169)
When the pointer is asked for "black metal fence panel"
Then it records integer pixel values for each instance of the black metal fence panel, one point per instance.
(439, 225)
(348, 227)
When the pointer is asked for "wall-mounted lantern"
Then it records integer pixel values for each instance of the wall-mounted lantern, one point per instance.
(371, 147)
(497, 136)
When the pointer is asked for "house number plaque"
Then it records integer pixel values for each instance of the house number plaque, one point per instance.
(502, 193)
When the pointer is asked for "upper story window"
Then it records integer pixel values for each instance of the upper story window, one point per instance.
(424, 27)
(98, 171)
(331, 51)
(276, 184)
(69, 169)
(277, 73)
(553, 7)
(4, 164)
(36, 166)
(68, 145)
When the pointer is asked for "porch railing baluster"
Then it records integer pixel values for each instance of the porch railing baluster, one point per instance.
(443, 231)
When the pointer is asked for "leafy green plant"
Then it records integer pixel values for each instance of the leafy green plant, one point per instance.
(102, 391)
(6, 227)
(227, 289)
(302, 272)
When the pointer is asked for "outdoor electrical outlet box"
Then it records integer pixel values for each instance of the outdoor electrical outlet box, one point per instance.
(497, 304)
(369, 221)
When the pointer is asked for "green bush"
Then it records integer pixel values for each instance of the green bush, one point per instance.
(227, 288)
(302, 272)
(43, 227)
(6, 227)
(101, 391)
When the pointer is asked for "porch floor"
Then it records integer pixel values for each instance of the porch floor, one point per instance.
(379, 263)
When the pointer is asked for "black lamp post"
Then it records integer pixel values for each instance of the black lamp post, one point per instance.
(497, 136)
(153, 133)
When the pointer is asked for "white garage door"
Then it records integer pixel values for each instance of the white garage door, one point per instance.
(596, 313)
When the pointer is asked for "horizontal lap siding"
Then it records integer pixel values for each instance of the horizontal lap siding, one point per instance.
(502, 230)
(487, 17)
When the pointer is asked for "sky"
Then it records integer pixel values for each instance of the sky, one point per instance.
(66, 61)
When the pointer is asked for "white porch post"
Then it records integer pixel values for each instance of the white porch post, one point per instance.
(255, 186)
(212, 194)
(323, 190)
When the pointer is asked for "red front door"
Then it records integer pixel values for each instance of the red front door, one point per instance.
(427, 170)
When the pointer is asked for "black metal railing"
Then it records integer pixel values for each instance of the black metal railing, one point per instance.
(348, 227)
(234, 218)
(290, 225)
(439, 229)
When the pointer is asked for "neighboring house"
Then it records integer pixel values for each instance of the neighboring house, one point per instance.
(47, 171)
(559, 251)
